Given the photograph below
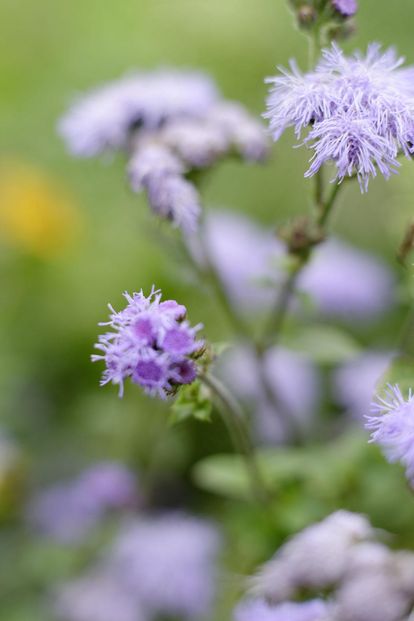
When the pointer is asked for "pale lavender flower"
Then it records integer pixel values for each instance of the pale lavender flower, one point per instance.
(260, 610)
(317, 558)
(68, 511)
(360, 111)
(152, 160)
(97, 596)
(104, 118)
(169, 562)
(347, 8)
(241, 129)
(198, 143)
(392, 424)
(355, 381)
(151, 343)
(348, 283)
(227, 242)
(176, 199)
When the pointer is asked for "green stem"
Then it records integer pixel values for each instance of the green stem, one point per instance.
(233, 418)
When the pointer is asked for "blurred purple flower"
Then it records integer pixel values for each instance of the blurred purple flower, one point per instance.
(174, 198)
(260, 610)
(360, 110)
(103, 119)
(355, 381)
(152, 160)
(97, 596)
(169, 562)
(342, 281)
(392, 424)
(151, 343)
(66, 512)
(227, 242)
(284, 370)
(345, 7)
(348, 283)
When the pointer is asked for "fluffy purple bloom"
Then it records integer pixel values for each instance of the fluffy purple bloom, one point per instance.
(169, 562)
(66, 512)
(260, 610)
(355, 381)
(152, 160)
(103, 119)
(198, 143)
(348, 283)
(97, 596)
(359, 110)
(347, 8)
(392, 424)
(151, 343)
(176, 199)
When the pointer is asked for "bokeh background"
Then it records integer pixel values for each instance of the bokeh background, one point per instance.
(73, 237)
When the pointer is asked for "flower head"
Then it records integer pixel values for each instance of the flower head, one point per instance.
(68, 511)
(347, 8)
(151, 343)
(392, 423)
(359, 110)
(169, 562)
(260, 610)
(103, 119)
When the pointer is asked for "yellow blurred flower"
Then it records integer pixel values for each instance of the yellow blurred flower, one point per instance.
(36, 213)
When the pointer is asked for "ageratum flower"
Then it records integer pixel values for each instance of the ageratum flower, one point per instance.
(66, 512)
(359, 111)
(347, 8)
(392, 423)
(169, 563)
(103, 119)
(151, 343)
(260, 610)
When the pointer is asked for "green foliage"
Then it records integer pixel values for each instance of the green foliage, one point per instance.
(325, 344)
(193, 401)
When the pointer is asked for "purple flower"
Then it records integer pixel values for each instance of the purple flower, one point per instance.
(97, 596)
(152, 160)
(103, 119)
(151, 343)
(199, 143)
(227, 242)
(174, 198)
(347, 8)
(355, 381)
(260, 610)
(169, 562)
(359, 110)
(66, 512)
(392, 424)
(347, 283)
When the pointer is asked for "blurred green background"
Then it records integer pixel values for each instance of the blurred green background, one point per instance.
(55, 292)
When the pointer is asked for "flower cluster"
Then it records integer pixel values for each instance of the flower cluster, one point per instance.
(152, 343)
(158, 567)
(392, 424)
(66, 512)
(169, 123)
(359, 111)
(347, 8)
(363, 579)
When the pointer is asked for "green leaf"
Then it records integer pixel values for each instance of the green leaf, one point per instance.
(192, 402)
(322, 470)
(325, 344)
(401, 372)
